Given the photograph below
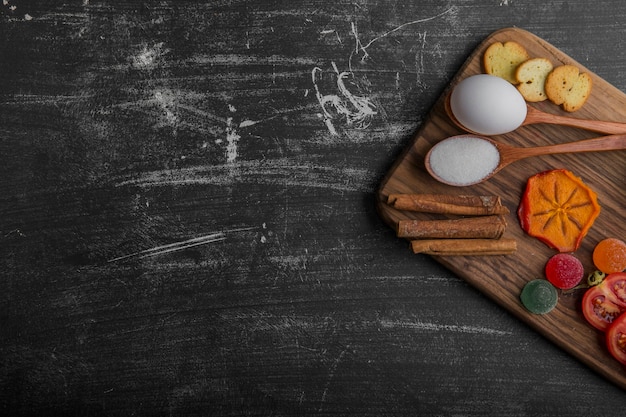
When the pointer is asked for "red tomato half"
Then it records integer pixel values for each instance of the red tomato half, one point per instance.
(604, 303)
(616, 339)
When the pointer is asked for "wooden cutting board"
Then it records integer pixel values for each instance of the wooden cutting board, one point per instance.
(502, 278)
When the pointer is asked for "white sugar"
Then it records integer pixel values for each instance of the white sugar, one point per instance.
(463, 160)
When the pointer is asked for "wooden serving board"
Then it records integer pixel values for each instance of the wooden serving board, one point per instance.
(502, 277)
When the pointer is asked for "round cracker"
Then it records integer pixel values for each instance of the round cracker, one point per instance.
(531, 77)
(501, 59)
(566, 86)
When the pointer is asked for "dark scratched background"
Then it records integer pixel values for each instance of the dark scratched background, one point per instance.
(187, 217)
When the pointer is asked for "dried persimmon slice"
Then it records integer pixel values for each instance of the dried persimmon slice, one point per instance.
(558, 209)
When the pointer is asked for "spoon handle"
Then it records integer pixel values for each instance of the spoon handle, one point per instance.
(537, 116)
(603, 143)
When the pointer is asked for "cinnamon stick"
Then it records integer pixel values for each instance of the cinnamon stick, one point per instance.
(483, 227)
(469, 205)
(464, 247)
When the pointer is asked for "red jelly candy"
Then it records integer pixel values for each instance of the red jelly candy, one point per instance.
(564, 271)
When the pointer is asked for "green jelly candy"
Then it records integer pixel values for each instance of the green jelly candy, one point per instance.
(539, 296)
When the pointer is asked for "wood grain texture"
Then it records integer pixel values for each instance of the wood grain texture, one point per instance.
(503, 277)
(188, 220)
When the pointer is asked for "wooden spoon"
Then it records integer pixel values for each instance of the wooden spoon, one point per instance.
(467, 159)
(534, 116)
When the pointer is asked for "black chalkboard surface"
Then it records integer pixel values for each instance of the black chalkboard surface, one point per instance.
(188, 220)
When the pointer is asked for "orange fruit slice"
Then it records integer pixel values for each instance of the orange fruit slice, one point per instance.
(558, 209)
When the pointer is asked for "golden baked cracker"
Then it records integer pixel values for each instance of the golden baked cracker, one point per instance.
(566, 86)
(502, 59)
(531, 76)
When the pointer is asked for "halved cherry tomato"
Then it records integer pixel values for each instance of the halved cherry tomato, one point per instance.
(604, 303)
(616, 339)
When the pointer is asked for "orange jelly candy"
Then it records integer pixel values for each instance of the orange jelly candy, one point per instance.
(558, 209)
(609, 255)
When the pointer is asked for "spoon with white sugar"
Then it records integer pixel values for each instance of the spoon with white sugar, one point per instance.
(488, 105)
(467, 159)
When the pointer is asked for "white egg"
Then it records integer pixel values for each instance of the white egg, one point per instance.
(488, 105)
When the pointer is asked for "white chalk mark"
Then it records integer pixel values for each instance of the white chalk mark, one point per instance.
(329, 31)
(205, 114)
(356, 109)
(363, 48)
(443, 327)
(285, 172)
(232, 140)
(339, 38)
(233, 136)
(331, 376)
(419, 60)
(330, 126)
(185, 244)
(363, 108)
(149, 56)
(15, 232)
(172, 247)
(44, 99)
(247, 123)
(357, 42)
(166, 101)
(246, 59)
